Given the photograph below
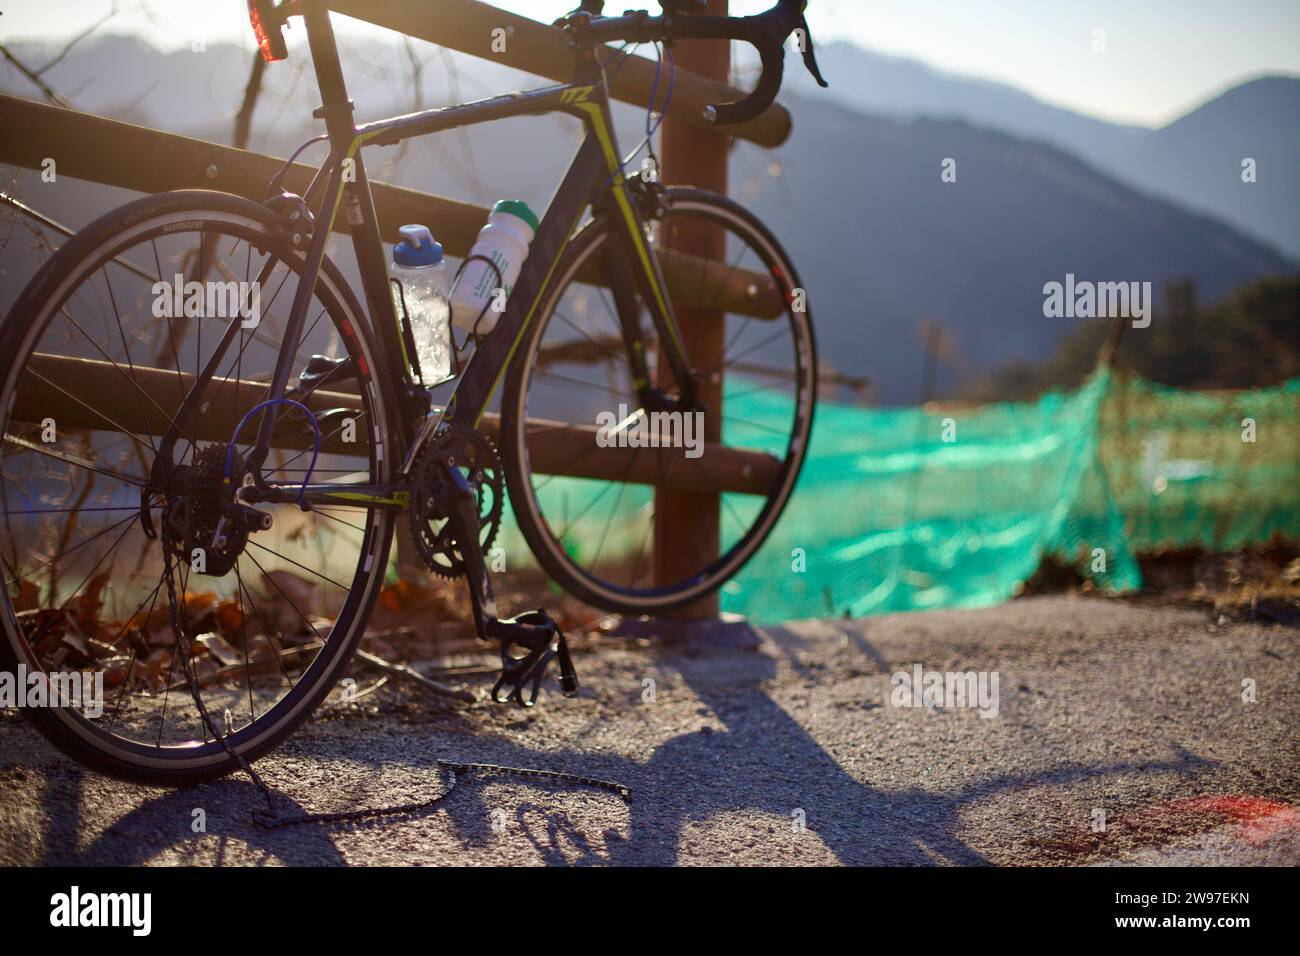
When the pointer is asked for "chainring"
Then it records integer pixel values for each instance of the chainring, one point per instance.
(473, 453)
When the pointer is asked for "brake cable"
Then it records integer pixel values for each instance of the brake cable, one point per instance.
(652, 124)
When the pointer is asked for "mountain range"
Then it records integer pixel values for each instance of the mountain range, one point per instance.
(1196, 160)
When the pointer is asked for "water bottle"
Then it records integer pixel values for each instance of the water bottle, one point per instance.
(503, 240)
(418, 267)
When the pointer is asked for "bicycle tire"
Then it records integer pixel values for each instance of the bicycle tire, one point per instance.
(532, 523)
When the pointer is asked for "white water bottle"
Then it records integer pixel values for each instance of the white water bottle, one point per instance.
(503, 241)
(418, 267)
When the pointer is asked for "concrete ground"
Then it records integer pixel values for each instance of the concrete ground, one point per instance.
(784, 750)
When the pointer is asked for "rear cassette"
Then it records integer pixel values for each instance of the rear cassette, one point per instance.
(203, 519)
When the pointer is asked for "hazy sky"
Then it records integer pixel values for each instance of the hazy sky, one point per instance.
(1161, 57)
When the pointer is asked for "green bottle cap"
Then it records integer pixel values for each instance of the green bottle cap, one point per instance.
(519, 208)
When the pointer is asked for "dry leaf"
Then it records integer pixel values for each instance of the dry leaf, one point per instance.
(91, 602)
(220, 648)
(29, 594)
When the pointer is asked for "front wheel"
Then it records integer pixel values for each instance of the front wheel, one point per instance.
(597, 474)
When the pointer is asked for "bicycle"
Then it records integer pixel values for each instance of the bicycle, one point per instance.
(289, 444)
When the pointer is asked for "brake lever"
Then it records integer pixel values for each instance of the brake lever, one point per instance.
(809, 57)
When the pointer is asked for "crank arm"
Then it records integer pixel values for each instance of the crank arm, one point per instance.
(535, 632)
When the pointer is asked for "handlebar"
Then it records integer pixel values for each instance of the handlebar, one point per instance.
(766, 32)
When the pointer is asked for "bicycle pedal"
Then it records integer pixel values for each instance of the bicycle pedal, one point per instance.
(570, 686)
(542, 638)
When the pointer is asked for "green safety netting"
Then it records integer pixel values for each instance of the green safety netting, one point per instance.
(903, 509)
(919, 508)
(909, 508)
(1215, 470)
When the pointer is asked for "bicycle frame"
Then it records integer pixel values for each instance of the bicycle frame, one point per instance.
(595, 178)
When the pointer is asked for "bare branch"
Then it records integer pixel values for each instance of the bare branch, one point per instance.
(35, 75)
(112, 12)
(35, 78)
(244, 118)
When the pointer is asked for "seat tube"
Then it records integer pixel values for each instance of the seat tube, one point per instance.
(359, 207)
(336, 110)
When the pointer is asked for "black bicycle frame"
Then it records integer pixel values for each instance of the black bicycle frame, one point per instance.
(595, 178)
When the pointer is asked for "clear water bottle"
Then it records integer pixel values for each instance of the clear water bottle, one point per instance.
(418, 267)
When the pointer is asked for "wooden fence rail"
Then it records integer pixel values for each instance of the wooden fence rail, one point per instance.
(149, 160)
(55, 383)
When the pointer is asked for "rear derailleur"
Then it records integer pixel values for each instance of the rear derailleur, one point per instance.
(457, 493)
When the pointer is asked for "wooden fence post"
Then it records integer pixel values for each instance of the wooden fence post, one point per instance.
(687, 523)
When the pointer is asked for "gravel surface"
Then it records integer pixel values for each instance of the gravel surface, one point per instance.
(784, 749)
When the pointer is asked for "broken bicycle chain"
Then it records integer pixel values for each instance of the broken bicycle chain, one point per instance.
(270, 819)
(272, 822)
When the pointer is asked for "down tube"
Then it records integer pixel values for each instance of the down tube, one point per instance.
(492, 357)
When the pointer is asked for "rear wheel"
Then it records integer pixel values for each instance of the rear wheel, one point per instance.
(585, 495)
(100, 350)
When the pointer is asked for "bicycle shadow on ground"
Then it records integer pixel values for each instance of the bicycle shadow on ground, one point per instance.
(766, 761)
(165, 825)
(762, 762)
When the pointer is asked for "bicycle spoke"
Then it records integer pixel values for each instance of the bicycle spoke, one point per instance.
(305, 619)
(91, 573)
(126, 349)
(276, 649)
(579, 382)
(134, 383)
(243, 623)
(59, 511)
(586, 336)
(171, 332)
(78, 461)
(749, 351)
(67, 551)
(325, 513)
(299, 565)
(117, 427)
(323, 439)
(151, 600)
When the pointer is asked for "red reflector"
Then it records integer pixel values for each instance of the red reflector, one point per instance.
(271, 47)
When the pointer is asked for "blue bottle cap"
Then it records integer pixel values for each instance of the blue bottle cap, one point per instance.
(417, 247)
